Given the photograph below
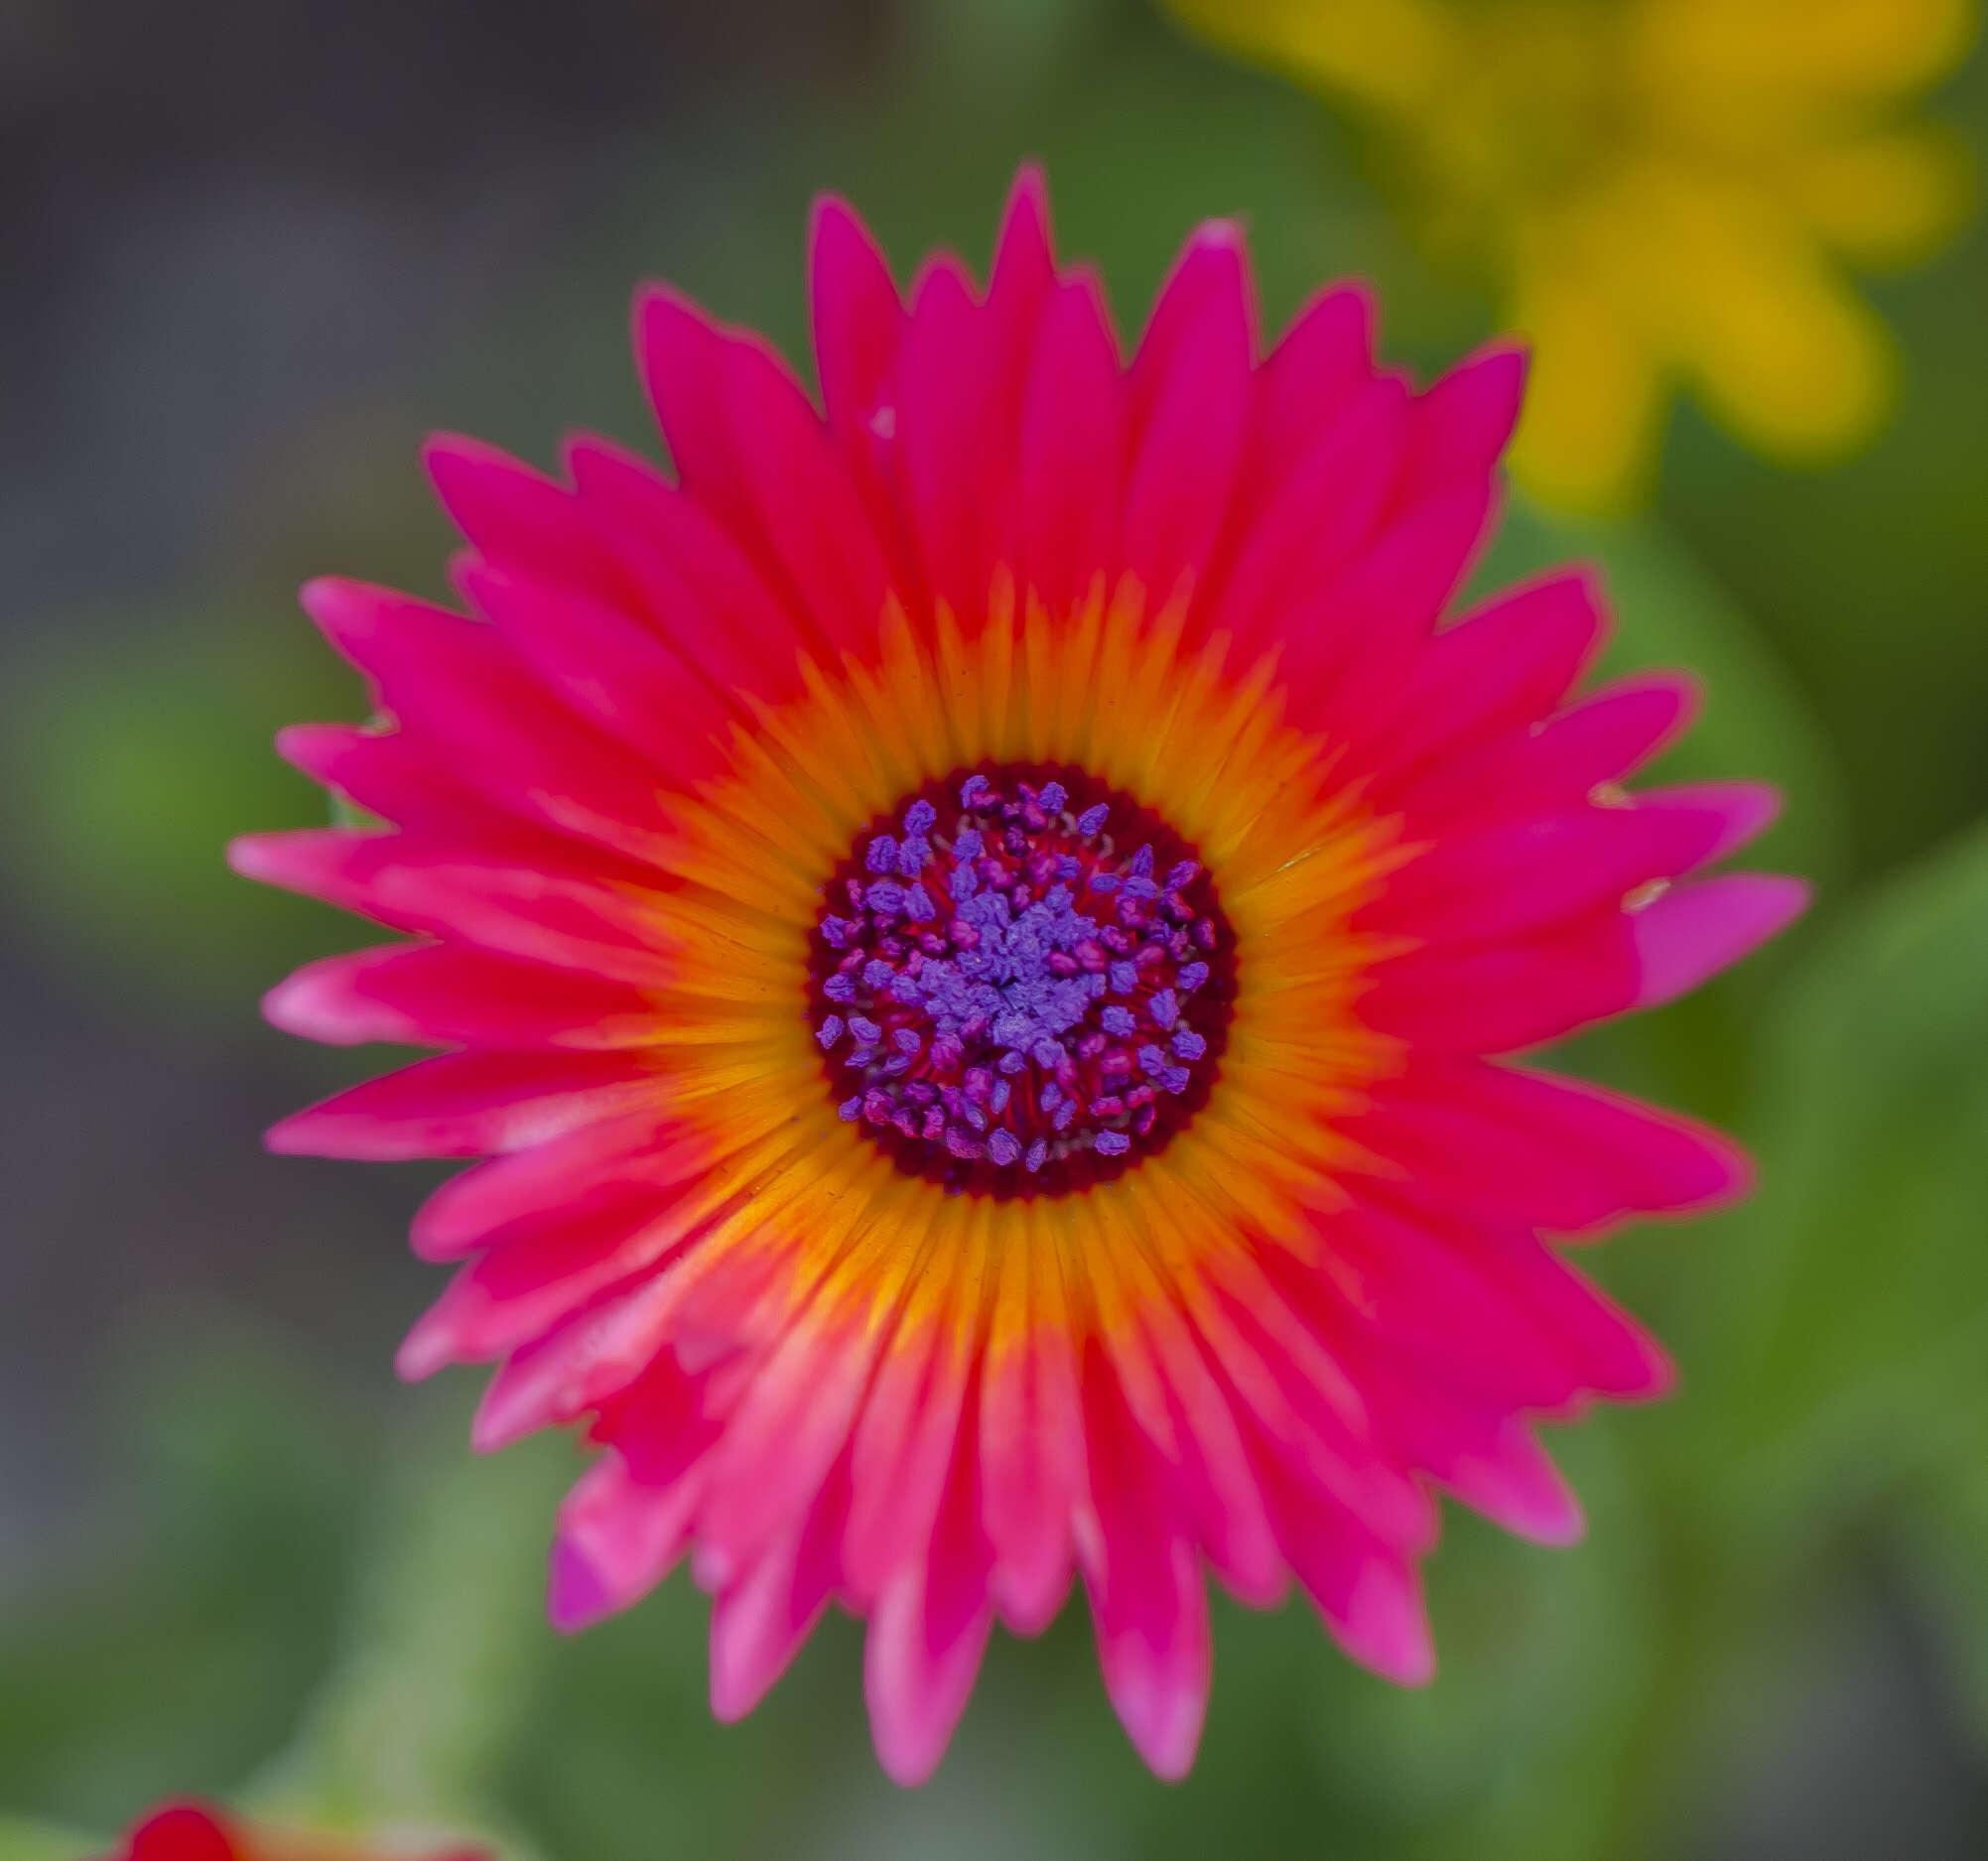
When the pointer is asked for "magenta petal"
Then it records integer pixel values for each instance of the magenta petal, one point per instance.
(1747, 810)
(1694, 931)
(466, 1104)
(1523, 1147)
(1506, 996)
(758, 1622)
(799, 501)
(1504, 667)
(1519, 876)
(859, 319)
(1148, 1596)
(928, 1634)
(447, 995)
(942, 424)
(520, 519)
(696, 585)
(790, 1429)
(617, 1539)
(1069, 446)
(651, 705)
(1031, 1461)
(1318, 516)
(1461, 425)
(1349, 656)
(1190, 401)
(1533, 768)
(455, 686)
(1319, 365)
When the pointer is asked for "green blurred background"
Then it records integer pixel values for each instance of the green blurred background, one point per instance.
(256, 249)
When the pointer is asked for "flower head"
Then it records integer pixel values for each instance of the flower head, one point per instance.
(195, 1831)
(970, 928)
(1660, 191)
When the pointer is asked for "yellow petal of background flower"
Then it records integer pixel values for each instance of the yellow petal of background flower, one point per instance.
(1593, 397)
(1884, 199)
(1779, 345)
(1833, 48)
(1391, 51)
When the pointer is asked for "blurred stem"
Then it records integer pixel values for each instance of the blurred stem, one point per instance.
(21, 1840)
(1713, 1604)
(415, 1723)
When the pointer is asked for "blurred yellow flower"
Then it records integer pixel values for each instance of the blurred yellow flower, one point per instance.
(1660, 191)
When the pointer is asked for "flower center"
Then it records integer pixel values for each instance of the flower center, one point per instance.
(1029, 988)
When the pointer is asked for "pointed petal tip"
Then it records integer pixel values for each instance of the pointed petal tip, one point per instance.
(310, 1007)
(249, 856)
(294, 1135)
(1699, 929)
(1164, 1723)
(427, 1349)
(336, 605)
(575, 1596)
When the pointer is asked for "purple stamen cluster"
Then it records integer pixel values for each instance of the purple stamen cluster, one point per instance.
(1016, 989)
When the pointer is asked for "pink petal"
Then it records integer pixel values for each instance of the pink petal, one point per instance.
(533, 911)
(1309, 379)
(1748, 808)
(1488, 1460)
(617, 1539)
(904, 1447)
(538, 1272)
(383, 772)
(946, 425)
(859, 319)
(1230, 1518)
(1614, 1355)
(467, 1104)
(1515, 878)
(1505, 997)
(1529, 771)
(1371, 1600)
(698, 589)
(859, 327)
(1694, 931)
(1069, 446)
(1501, 668)
(608, 669)
(1433, 1304)
(1348, 655)
(928, 1632)
(637, 1149)
(758, 1622)
(589, 1358)
(1315, 517)
(521, 520)
(1279, 1350)
(791, 1426)
(804, 511)
(1033, 1470)
(447, 994)
(1545, 1153)
(453, 684)
(1147, 1598)
(1189, 394)
(1461, 426)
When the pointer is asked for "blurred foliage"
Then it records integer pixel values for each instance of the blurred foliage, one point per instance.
(287, 1599)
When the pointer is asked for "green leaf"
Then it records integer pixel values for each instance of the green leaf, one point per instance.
(417, 1721)
(1855, 1307)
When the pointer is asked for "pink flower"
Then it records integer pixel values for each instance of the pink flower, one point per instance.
(971, 928)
